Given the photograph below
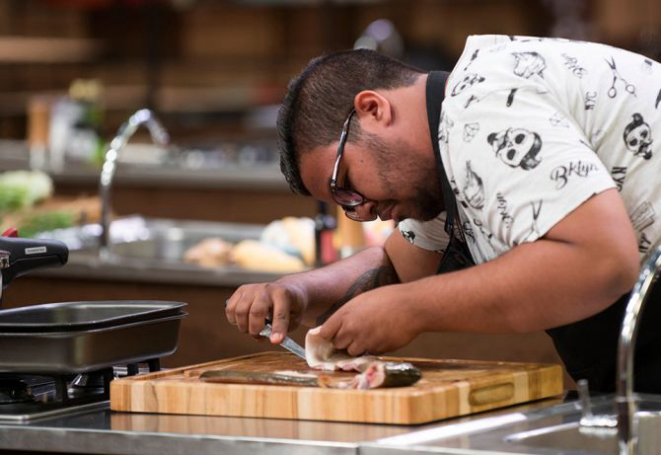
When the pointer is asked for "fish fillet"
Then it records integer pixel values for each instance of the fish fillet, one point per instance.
(320, 354)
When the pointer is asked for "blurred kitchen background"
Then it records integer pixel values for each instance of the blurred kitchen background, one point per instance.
(212, 73)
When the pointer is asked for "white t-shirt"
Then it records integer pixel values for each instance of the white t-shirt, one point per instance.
(531, 128)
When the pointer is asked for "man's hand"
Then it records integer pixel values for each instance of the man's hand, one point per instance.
(251, 304)
(377, 321)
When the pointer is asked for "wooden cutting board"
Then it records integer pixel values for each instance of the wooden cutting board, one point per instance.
(448, 388)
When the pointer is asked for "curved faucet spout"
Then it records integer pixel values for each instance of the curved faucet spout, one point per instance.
(158, 135)
(624, 400)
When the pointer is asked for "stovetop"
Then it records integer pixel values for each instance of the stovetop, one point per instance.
(28, 397)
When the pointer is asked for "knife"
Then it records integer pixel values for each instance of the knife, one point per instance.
(286, 342)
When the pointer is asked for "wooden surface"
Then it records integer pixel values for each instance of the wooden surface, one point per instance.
(448, 388)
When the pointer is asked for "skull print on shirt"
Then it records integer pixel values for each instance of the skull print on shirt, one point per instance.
(638, 137)
(517, 147)
(543, 117)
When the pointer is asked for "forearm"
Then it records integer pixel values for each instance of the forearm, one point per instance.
(536, 286)
(330, 287)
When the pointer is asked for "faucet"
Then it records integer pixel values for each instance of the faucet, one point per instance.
(158, 135)
(624, 421)
(624, 400)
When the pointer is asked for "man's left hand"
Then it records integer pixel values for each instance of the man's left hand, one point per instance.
(377, 321)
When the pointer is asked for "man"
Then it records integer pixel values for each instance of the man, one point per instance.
(543, 162)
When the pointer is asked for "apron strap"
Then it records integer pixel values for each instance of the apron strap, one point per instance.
(435, 96)
(456, 255)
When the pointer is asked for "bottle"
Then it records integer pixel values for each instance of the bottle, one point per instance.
(324, 227)
(38, 125)
(75, 124)
(350, 235)
(85, 143)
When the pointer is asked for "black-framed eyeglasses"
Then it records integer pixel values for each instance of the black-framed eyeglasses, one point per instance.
(347, 198)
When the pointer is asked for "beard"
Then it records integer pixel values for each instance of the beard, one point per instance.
(428, 204)
(394, 163)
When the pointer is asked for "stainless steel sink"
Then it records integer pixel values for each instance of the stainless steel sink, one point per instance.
(153, 239)
(537, 428)
(572, 437)
(149, 248)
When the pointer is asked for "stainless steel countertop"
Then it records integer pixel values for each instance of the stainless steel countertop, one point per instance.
(14, 156)
(152, 250)
(107, 432)
(544, 427)
(84, 265)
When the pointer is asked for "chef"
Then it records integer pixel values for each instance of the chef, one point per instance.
(525, 185)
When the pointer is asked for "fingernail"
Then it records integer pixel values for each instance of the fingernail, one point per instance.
(276, 337)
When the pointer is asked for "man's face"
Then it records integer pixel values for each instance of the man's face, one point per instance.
(388, 173)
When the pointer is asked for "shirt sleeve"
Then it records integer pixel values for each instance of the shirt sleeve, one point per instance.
(428, 235)
(520, 164)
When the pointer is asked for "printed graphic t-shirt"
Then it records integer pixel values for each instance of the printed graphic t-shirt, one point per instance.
(531, 128)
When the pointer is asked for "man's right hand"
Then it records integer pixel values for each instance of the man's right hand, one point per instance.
(283, 303)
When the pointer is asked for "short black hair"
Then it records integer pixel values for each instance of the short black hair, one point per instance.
(320, 98)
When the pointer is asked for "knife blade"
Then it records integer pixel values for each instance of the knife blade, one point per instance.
(286, 342)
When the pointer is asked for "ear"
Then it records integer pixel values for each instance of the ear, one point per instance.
(372, 108)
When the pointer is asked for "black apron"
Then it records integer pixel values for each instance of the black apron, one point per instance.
(587, 347)
(456, 256)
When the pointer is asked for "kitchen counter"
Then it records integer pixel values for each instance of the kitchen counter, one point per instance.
(88, 266)
(543, 427)
(106, 432)
(152, 251)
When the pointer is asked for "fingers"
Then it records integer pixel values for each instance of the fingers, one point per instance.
(230, 307)
(280, 322)
(250, 306)
(330, 328)
(247, 309)
(344, 334)
(336, 329)
(257, 312)
(356, 349)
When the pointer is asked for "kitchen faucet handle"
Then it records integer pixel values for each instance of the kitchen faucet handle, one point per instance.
(591, 422)
(584, 397)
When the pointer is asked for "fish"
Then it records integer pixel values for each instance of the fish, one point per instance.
(379, 374)
(329, 367)
(375, 374)
(320, 354)
(294, 378)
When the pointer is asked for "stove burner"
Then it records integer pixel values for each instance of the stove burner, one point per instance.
(13, 391)
(90, 383)
(22, 388)
(24, 396)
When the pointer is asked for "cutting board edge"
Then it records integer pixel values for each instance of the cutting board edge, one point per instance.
(414, 406)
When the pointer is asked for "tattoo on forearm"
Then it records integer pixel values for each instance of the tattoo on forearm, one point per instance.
(369, 280)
